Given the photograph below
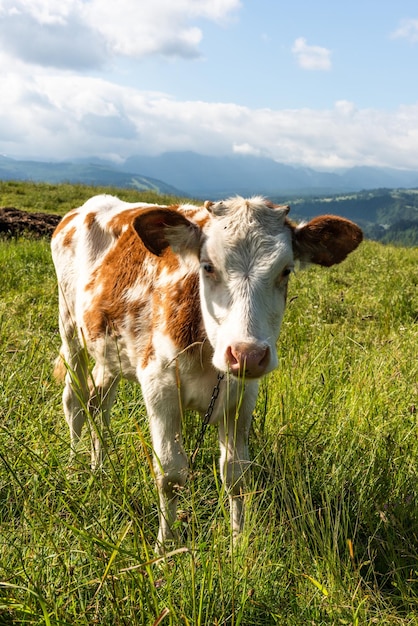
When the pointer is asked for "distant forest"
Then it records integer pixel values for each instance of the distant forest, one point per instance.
(386, 215)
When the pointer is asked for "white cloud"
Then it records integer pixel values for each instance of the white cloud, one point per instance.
(60, 45)
(408, 29)
(245, 148)
(345, 107)
(42, 11)
(77, 34)
(136, 29)
(65, 116)
(311, 57)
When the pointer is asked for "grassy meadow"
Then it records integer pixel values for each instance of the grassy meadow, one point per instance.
(331, 532)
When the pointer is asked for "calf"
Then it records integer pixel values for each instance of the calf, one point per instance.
(172, 297)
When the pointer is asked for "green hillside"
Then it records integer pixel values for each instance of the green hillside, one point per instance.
(331, 534)
(387, 215)
(61, 197)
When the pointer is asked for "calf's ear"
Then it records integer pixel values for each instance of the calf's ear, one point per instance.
(326, 240)
(159, 228)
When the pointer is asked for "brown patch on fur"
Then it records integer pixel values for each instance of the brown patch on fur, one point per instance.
(141, 319)
(89, 220)
(68, 237)
(182, 312)
(65, 220)
(121, 269)
(148, 353)
(170, 261)
(92, 283)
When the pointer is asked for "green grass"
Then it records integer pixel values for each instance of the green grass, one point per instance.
(61, 197)
(332, 525)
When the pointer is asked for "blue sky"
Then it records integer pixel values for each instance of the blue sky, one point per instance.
(252, 59)
(323, 84)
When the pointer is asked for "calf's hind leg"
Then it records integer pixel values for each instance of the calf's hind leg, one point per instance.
(76, 393)
(86, 395)
(102, 393)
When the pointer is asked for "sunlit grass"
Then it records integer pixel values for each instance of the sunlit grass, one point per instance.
(332, 525)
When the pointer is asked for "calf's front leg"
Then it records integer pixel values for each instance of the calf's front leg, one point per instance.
(170, 459)
(234, 459)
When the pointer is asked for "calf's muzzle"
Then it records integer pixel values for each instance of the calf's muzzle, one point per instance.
(248, 359)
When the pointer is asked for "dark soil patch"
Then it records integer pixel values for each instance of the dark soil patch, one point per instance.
(15, 223)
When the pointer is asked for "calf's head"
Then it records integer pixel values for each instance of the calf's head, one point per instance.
(246, 250)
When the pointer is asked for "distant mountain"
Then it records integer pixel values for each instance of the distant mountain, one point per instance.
(217, 177)
(208, 177)
(94, 172)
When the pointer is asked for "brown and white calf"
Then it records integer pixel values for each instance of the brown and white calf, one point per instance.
(170, 297)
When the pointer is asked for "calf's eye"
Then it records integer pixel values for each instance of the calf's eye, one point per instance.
(282, 279)
(210, 272)
(208, 267)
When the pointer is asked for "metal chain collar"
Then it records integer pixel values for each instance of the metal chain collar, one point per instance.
(207, 416)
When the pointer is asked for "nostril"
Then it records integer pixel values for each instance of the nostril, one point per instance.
(233, 359)
(264, 361)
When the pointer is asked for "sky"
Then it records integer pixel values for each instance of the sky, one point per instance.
(321, 84)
